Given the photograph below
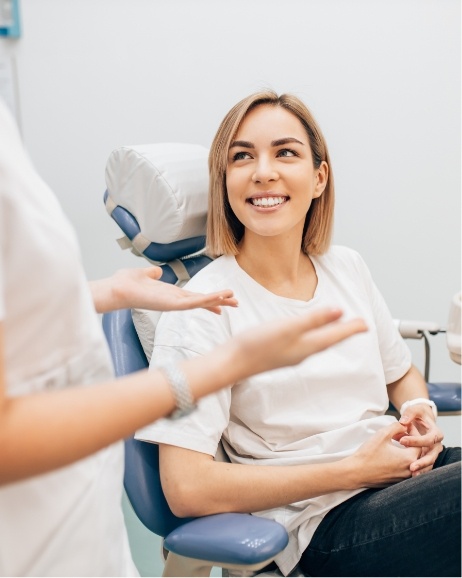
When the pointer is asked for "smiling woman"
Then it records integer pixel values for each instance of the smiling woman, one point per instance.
(270, 188)
(311, 447)
(286, 127)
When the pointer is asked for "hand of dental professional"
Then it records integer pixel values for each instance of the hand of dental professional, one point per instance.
(140, 287)
(423, 434)
(290, 341)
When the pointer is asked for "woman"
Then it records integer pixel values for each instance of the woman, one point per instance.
(354, 501)
(61, 411)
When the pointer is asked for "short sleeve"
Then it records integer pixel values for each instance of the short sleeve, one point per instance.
(182, 335)
(2, 245)
(395, 354)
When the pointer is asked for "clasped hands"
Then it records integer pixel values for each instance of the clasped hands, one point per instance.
(423, 434)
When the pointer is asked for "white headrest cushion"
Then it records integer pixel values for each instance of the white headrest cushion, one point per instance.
(164, 186)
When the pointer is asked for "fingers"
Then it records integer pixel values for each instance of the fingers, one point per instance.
(214, 301)
(323, 333)
(430, 437)
(426, 461)
(319, 318)
(154, 272)
(393, 431)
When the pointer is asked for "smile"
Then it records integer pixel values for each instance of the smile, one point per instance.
(267, 201)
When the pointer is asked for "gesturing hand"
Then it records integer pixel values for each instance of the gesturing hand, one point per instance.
(287, 342)
(424, 434)
(140, 287)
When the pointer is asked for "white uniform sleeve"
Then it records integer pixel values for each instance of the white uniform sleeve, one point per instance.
(182, 335)
(396, 356)
(5, 136)
(2, 248)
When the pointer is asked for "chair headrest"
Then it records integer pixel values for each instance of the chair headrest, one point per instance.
(157, 194)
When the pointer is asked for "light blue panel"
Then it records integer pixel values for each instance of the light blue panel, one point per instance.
(13, 30)
(145, 545)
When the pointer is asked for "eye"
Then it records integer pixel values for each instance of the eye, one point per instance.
(287, 153)
(240, 156)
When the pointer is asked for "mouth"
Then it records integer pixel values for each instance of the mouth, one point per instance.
(267, 200)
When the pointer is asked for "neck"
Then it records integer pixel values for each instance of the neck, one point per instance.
(278, 264)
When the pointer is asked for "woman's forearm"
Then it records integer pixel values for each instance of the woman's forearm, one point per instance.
(411, 386)
(196, 485)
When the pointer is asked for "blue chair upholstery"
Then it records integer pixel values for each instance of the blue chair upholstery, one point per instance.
(446, 395)
(227, 540)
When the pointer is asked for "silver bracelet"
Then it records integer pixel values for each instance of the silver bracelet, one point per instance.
(424, 400)
(179, 387)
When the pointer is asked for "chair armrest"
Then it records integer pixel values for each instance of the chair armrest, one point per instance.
(228, 539)
(446, 396)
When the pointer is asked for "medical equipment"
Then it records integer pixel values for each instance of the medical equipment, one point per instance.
(453, 333)
(157, 194)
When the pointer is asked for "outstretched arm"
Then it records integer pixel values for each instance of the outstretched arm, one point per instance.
(44, 431)
(140, 287)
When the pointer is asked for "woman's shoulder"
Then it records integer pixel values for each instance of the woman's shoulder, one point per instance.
(341, 254)
(343, 260)
(216, 275)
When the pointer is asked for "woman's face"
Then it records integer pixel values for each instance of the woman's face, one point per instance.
(270, 177)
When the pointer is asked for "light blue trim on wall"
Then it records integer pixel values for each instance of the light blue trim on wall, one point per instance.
(13, 30)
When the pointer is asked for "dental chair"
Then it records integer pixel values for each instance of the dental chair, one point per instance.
(174, 180)
(194, 546)
(157, 195)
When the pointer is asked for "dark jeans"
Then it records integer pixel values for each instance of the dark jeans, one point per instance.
(412, 528)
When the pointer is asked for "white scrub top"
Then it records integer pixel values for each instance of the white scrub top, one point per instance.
(68, 522)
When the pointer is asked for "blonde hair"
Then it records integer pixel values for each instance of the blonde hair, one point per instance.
(224, 230)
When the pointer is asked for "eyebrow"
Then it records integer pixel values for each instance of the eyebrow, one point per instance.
(274, 143)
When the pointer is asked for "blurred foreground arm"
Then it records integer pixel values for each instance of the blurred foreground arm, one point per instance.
(44, 431)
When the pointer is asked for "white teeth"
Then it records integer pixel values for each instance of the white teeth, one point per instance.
(267, 201)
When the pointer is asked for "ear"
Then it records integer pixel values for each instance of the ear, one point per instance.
(322, 175)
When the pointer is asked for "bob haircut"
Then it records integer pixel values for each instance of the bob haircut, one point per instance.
(224, 230)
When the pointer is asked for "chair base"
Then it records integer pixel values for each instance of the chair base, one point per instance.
(177, 565)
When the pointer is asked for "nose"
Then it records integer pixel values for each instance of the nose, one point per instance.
(265, 171)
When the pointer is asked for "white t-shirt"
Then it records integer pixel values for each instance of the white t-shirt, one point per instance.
(319, 411)
(68, 522)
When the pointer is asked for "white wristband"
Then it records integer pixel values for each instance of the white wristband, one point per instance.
(424, 400)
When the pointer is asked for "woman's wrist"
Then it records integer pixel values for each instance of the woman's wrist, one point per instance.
(420, 401)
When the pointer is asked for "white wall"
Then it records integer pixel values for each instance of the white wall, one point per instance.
(381, 76)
